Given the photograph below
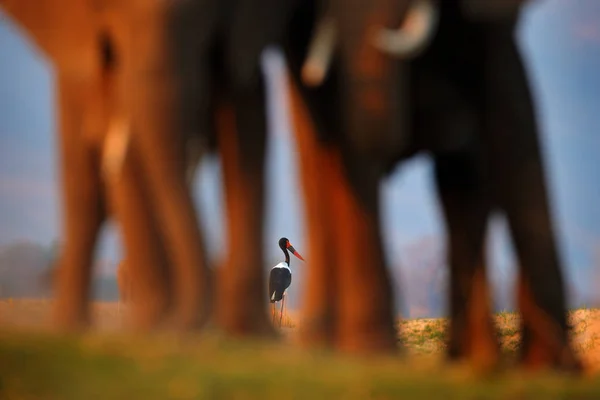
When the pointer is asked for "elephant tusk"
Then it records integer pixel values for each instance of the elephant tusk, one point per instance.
(320, 52)
(414, 34)
(115, 148)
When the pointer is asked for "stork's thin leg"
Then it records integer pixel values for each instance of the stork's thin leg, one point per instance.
(273, 313)
(282, 307)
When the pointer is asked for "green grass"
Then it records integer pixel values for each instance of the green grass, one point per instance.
(111, 366)
(42, 366)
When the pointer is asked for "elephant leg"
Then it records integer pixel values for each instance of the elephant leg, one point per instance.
(541, 293)
(466, 209)
(517, 166)
(122, 279)
(83, 210)
(321, 288)
(154, 107)
(146, 262)
(242, 137)
(365, 310)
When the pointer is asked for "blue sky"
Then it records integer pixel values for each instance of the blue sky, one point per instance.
(560, 40)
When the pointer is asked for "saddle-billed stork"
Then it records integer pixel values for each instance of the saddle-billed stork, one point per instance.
(280, 277)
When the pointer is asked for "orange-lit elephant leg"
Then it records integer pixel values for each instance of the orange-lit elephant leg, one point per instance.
(147, 282)
(153, 99)
(242, 307)
(320, 295)
(544, 344)
(83, 210)
(366, 306)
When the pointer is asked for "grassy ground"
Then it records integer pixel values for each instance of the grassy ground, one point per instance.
(426, 336)
(109, 365)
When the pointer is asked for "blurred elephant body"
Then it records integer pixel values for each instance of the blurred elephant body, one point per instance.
(465, 100)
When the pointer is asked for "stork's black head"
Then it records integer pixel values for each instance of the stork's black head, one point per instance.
(285, 245)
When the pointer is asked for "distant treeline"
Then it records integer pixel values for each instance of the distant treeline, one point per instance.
(26, 271)
(421, 273)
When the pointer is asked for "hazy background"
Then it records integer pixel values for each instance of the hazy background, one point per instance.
(560, 40)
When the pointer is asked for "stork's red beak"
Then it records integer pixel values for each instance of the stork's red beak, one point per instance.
(294, 252)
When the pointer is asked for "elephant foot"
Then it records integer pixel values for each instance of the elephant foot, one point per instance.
(316, 331)
(188, 318)
(545, 339)
(194, 311)
(71, 311)
(474, 342)
(372, 339)
(536, 356)
(473, 336)
(70, 318)
(244, 324)
(317, 320)
(481, 353)
(239, 314)
(149, 315)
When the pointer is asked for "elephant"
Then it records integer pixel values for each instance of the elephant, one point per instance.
(182, 68)
(452, 84)
(177, 72)
(349, 298)
(216, 61)
(91, 47)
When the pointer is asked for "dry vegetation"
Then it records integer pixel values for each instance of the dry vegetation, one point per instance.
(426, 336)
(112, 366)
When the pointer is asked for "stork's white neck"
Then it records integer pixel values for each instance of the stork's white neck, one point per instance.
(282, 264)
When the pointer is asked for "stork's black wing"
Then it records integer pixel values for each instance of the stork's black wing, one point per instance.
(279, 280)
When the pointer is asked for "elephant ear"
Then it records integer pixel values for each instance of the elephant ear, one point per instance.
(492, 10)
(255, 24)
